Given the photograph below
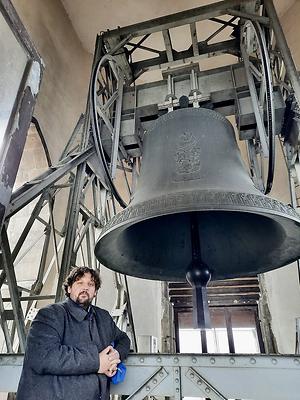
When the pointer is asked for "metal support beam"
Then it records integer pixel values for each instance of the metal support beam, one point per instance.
(193, 31)
(31, 190)
(252, 17)
(186, 56)
(168, 44)
(181, 18)
(249, 376)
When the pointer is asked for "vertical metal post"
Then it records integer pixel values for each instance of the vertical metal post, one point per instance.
(71, 230)
(103, 194)
(283, 47)
(93, 243)
(135, 175)
(176, 327)
(88, 247)
(39, 281)
(95, 197)
(203, 341)
(117, 127)
(297, 344)
(4, 327)
(2, 278)
(130, 315)
(259, 334)
(6, 260)
(51, 203)
(13, 332)
(229, 330)
(37, 286)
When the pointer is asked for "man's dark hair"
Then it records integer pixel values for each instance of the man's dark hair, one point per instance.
(77, 273)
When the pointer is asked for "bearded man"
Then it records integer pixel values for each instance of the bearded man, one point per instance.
(69, 353)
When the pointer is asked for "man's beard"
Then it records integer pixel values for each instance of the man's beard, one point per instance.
(84, 303)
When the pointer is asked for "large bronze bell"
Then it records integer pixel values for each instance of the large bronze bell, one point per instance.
(195, 204)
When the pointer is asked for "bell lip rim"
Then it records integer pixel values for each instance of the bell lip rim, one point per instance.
(215, 277)
(129, 222)
(223, 208)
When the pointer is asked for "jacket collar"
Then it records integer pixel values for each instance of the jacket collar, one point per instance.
(77, 311)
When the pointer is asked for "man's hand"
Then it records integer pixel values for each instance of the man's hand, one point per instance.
(114, 357)
(109, 359)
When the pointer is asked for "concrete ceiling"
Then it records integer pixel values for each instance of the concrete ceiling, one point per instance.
(89, 17)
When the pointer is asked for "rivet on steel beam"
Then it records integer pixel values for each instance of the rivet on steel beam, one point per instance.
(154, 381)
(194, 360)
(176, 371)
(199, 382)
(158, 359)
(212, 360)
(192, 375)
(296, 361)
(176, 380)
(147, 388)
(177, 390)
(252, 360)
(232, 360)
(141, 360)
(274, 361)
(176, 359)
(161, 373)
(207, 390)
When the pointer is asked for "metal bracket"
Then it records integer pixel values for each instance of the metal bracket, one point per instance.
(147, 387)
(206, 388)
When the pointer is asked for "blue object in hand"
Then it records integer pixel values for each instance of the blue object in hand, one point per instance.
(120, 375)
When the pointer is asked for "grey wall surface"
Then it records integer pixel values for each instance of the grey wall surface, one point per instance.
(67, 69)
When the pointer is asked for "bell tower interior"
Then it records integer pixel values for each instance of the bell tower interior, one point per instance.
(141, 140)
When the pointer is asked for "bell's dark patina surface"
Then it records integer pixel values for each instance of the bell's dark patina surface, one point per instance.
(191, 164)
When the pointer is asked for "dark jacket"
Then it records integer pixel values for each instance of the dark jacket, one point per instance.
(62, 353)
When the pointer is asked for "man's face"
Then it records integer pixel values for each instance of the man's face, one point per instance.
(83, 290)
